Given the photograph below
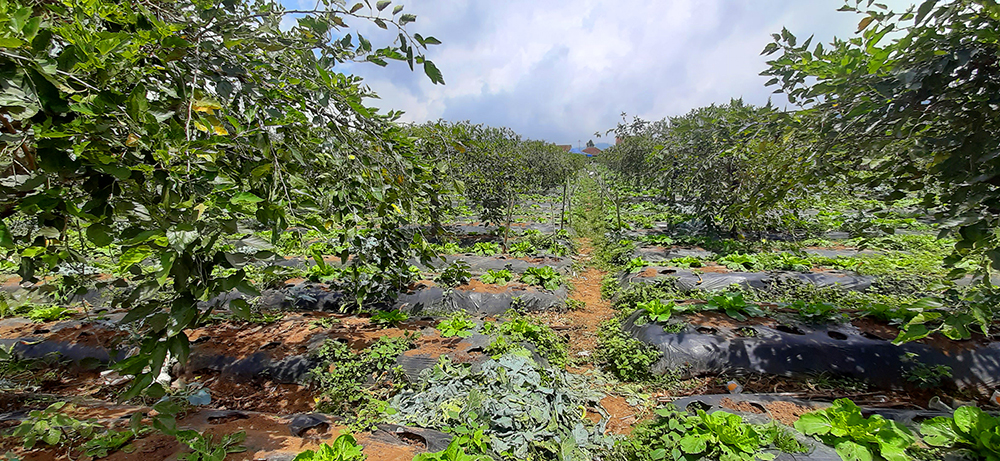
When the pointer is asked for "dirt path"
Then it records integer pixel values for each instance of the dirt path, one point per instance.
(581, 325)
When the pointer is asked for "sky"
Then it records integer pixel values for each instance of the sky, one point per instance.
(561, 70)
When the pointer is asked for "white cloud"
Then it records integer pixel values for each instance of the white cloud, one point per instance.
(560, 70)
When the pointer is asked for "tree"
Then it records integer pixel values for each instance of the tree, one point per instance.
(163, 132)
(917, 115)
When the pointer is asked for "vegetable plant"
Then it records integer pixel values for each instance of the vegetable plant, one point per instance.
(458, 324)
(658, 311)
(855, 437)
(497, 277)
(522, 249)
(544, 276)
(457, 273)
(816, 312)
(486, 248)
(970, 430)
(390, 317)
(733, 304)
(47, 313)
(345, 448)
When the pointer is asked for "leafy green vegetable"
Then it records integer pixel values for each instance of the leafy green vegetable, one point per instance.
(969, 429)
(344, 448)
(855, 437)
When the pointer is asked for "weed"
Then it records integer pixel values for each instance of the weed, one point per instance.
(625, 357)
(719, 435)
(635, 264)
(357, 384)
(575, 304)
(923, 375)
(206, 449)
(51, 427)
(970, 430)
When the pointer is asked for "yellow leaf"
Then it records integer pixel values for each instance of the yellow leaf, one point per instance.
(864, 23)
(205, 105)
(200, 127)
(131, 140)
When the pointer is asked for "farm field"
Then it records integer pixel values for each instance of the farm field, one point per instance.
(213, 250)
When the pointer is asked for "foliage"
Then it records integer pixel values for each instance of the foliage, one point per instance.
(357, 384)
(457, 273)
(486, 248)
(522, 248)
(673, 435)
(528, 412)
(658, 311)
(627, 358)
(733, 304)
(923, 375)
(635, 264)
(498, 277)
(206, 449)
(159, 131)
(816, 312)
(458, 324)
(494, 165)
(52, 427)
(390, 317)
(969, 429)
(893, 108)
(111, 441)
(518, 329)
(344, 448)
(454, 452)
(740, 262)
(855, 437)
(685, 262)
(47, 313)
(544, 276)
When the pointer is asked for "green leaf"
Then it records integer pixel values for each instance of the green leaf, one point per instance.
(133, 256)
(433, 72)
(10, 42)
(912, 333)
(694, 443)
(100, 235)
(851, 451)
(6, 238)
(245, 198)
(382, 4)
(813, 423)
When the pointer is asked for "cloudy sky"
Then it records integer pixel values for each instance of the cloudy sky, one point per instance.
(562, 70)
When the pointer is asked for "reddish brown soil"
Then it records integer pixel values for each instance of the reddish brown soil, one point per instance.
(267, 437)
(721, 320)
(259, 395)
(581, 325)
(786, 412)
(622, 416)
(745, 407)
(714, 268)
(288, 336)
(480, 287)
